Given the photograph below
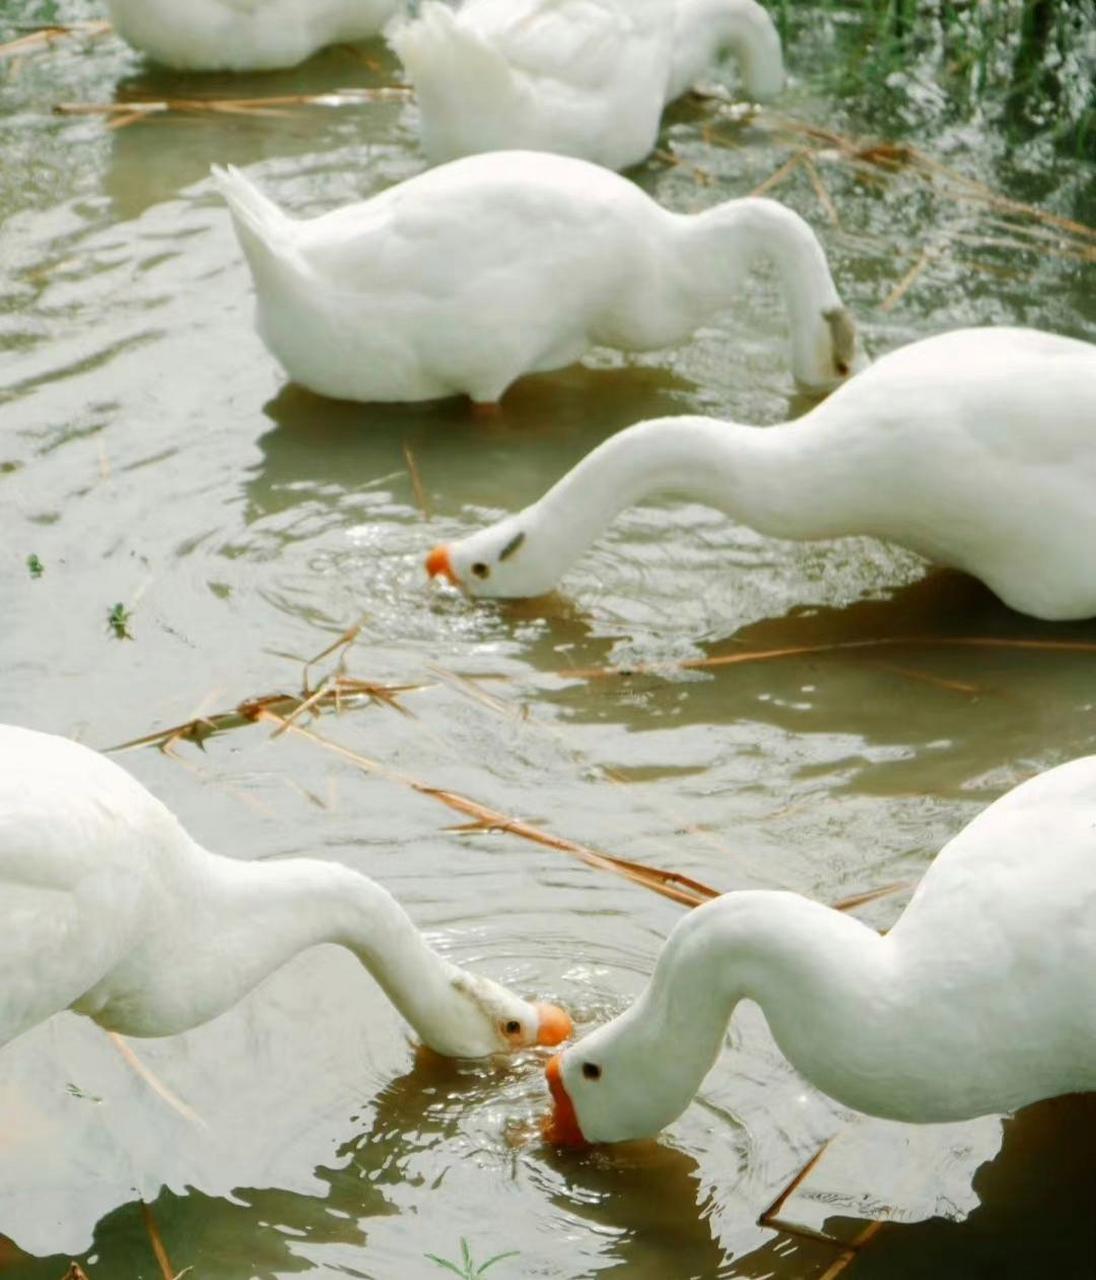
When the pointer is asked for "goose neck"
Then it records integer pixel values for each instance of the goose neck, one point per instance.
(287, 906)
(750, 473)
(809, 968)
(723, 243)
(743, 28)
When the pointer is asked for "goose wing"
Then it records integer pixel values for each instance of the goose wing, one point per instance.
(76, 833)
(577, 42)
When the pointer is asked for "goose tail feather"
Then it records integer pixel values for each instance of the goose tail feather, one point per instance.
(256, 216)
(453, 69)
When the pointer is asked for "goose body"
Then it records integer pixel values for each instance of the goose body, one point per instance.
(463, 278)
(586, 78)
(109, 908)
(243, 35)
(981, 999)
(976, 449)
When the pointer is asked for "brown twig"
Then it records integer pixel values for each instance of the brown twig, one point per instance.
(343, 642)
(416, 481)
(768, 1217)
(908, 280)
(855, 900)
(775, 179)
(849, 1249)
(520, 716)
(335, 694)
(46, 37)
(157, 1242)
(836, 646)
(927, 677)
(821, 190)
(948, 183)
(153, 1081)
(129, 111)
(670, 884)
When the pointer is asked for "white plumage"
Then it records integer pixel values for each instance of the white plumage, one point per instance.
(109, 908)
(244, 35)
(981, 998)
(465, 277)
(975, 448)
(586, 78)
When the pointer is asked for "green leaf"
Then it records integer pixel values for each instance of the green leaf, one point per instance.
(449, 1266)
(510, 1253)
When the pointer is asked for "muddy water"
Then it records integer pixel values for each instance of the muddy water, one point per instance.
(152, 455)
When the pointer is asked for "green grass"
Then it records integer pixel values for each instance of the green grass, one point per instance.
(1023, 64)
(467, 1268)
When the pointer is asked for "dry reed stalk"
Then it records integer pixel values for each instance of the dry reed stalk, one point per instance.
(157, 1242)
(47, 37)
(872, 895)
(775, 179)
(681, 821)
(836, 646)
(123, 113)
(908, 280)
(925, 677)
(972, 189)
(306, 705)
(338, 693)
(821, 190)
(670, 884)
(770, 1217)
(850, 1251)
(947, 182)
(416, 482)
(153, 1081)
(344, 642)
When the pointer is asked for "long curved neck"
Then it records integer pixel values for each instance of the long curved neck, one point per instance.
(259, 915)
(720, 245)
(778, 480)
(705, 28)
(821, 978)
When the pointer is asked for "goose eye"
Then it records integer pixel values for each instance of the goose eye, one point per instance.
(480, 569)
(512, 1027)
(591, 1071)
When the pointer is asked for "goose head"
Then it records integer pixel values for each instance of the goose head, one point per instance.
(487, 1018)
(830, 353)
(501, 562)
(599, 1095)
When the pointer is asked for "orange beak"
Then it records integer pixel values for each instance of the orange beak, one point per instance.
(555, 1025)
(561, 1128)
(439, 565)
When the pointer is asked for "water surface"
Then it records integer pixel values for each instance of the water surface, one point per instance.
(153, 455)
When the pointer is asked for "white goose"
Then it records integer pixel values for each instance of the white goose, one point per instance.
(982, 998)
(109, 908)
(244, 35)
(586, 78)
(465, 277)
(976, 449)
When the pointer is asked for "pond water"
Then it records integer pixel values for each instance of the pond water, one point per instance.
(152, 455)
